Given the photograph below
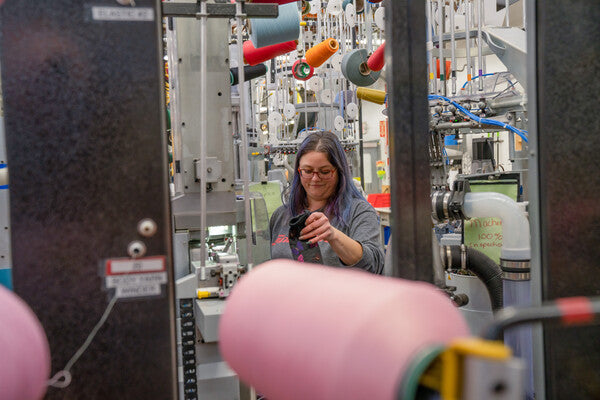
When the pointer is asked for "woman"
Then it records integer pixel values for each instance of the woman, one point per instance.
(340, 228)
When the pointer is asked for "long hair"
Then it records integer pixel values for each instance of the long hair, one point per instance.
(339, 204)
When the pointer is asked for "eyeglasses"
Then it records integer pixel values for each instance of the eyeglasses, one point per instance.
(309, 173)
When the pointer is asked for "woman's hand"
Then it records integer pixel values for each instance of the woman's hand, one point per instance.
(317, 228)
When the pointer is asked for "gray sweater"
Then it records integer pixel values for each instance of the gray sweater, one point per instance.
(364, 228)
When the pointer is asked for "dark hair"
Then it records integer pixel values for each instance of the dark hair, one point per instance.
(339, 204)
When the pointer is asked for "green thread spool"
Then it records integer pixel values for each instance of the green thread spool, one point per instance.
(302, 71)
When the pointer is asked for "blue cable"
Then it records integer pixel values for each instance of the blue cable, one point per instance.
(479, 76)
(521, 133)
(484, 75)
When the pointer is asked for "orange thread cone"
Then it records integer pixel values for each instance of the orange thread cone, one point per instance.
(317, 55)
(448, 66)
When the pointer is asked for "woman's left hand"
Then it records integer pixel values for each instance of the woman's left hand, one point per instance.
(317, 228)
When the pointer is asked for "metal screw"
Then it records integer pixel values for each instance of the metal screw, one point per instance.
(147, 227)
(136, 249)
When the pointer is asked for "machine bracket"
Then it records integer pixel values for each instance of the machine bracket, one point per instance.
(219, 10)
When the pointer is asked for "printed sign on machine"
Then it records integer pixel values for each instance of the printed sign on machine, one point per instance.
(140, 277)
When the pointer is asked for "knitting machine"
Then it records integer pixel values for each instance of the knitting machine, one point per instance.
(478, 143)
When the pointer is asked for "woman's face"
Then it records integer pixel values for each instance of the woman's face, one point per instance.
(318, 187)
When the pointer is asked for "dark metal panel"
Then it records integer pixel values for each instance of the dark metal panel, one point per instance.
(568, 61)
(408, 119)
(85, 127)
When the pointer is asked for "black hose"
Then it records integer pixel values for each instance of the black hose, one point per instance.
(586, 312)
(481, 265)
(250, 72)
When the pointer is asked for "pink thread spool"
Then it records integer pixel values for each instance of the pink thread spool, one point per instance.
(254, 56)
(377, 59)
(298, 331)
(24, 351)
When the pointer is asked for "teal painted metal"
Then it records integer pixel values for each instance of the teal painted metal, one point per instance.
(6, 278)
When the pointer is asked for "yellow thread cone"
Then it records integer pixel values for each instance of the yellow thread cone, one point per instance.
(318, 54)
(372, 95)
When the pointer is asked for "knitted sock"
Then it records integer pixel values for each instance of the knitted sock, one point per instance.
(301, 250)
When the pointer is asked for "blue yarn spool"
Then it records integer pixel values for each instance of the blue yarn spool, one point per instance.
(268, 31)
(355, 69)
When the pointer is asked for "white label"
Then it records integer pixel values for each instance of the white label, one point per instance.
(138, 291)
(137, 285)
(123, 14)
(117, 281)
(141, 265)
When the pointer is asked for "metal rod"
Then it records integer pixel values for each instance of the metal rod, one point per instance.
(507, 5)
(174, 108)
(550, 311)
(479, 43)
(331, 84)
(342, 100)
(453, 47)
(432, 88)
(360, 145)
(433, 65)
(441, 47)
(203, 127)
(369, 25)
(244, 134)
(468, 44)
(454, 125)
(524, 13)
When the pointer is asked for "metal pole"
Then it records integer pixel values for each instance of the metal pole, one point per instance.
(369, 26)
(433, 64)
(453, 47)
(361, 150)
(468, 43)
(203, 127)
(441, 47)
(243, 131)
(432, 88)
(479, 43)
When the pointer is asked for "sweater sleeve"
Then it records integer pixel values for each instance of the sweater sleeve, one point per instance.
(365, 229)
